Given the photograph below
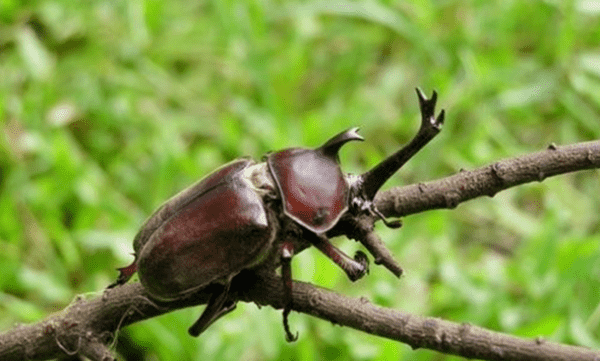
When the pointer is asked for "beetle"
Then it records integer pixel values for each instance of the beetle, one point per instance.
(246, 213)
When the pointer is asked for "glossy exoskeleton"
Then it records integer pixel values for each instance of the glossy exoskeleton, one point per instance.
(239, 215)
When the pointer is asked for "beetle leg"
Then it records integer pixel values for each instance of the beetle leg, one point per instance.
(287, 252)
(125, 274)
(217, 307)
(354, 268)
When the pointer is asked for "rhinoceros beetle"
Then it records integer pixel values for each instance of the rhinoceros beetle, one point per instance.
(246, 212)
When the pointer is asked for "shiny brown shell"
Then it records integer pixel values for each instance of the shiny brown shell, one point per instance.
(207, 233)
(313, 188)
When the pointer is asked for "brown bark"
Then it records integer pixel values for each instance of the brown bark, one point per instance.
(449, 192)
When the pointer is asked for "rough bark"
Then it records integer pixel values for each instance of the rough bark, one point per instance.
(449, 192)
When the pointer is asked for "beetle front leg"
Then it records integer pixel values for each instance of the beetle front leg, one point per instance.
(287, 252)
(354, 268)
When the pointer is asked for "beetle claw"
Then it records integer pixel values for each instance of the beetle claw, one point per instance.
(354, 268)
(289, 336)
(362, 258)
(287, 252)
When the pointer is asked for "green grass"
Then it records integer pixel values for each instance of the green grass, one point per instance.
(108, 108)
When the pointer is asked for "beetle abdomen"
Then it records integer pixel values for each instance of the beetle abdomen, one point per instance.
(220, 230)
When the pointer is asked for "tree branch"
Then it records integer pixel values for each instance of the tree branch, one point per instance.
(86, 326)
(449, 192)
(416, 331)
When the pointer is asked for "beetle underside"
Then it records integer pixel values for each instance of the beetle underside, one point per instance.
(314, 200)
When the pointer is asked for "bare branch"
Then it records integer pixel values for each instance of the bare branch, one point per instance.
(417, 331)
(449, 192)
(86, 324)
(71, 331)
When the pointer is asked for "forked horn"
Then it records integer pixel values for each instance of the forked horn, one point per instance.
(373, 179)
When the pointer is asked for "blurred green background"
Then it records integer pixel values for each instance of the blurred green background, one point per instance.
(108, 108)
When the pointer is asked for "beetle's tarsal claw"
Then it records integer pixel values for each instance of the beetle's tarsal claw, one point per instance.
(289, 336)
(362, 258)
(354, 268)
(395, 224)
(287, 252)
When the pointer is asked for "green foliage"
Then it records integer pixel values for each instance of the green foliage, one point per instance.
(108, 108)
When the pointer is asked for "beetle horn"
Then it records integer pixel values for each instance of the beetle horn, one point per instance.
(373, 179)
(333, 145)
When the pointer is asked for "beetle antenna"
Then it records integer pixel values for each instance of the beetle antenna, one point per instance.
(390, 224)
(430, 127)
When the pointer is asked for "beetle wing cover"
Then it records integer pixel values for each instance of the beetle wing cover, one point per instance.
(220, 228)
(312, 186)
(181, 199)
